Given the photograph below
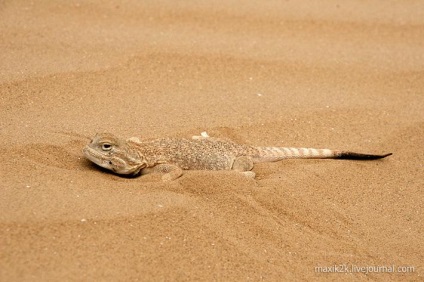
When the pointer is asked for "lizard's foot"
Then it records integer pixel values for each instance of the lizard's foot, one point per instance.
(171, 172)
(202, 135)
(168, 177)
(249, 174)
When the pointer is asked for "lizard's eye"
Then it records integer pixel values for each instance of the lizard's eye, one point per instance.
(106, 147)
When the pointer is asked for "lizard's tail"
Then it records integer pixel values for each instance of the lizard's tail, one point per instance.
(270, 154)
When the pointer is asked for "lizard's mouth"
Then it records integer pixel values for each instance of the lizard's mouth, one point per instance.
(112, 163)
(97, 158)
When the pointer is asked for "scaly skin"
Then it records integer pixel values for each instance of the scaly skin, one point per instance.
(173, 155)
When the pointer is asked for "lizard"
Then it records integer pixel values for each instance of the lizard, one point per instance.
(171, 156)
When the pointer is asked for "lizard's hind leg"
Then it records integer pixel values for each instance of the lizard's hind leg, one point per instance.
(244, 165)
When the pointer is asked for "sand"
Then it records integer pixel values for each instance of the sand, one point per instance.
(328, 74)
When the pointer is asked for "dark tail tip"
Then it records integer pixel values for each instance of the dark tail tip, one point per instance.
(357, 156)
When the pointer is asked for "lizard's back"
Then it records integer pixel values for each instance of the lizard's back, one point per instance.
(202, 154)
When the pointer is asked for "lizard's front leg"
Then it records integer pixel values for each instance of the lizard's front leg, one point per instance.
(171, 172)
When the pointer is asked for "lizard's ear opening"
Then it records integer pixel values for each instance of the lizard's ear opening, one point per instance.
(134, 139)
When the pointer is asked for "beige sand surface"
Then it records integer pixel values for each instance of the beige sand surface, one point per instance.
(337, 74)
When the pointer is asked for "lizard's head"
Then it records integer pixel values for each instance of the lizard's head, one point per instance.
(115, 154)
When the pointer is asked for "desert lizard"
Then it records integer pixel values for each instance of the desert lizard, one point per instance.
(173, 155)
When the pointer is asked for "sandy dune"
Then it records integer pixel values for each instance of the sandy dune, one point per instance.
(344, 75)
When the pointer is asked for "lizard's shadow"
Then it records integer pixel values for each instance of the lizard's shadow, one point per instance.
(93, 166)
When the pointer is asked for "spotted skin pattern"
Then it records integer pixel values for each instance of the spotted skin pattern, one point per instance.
(170, 156)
